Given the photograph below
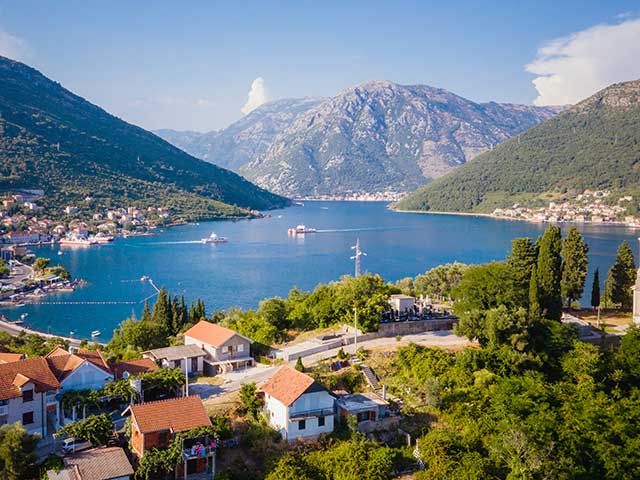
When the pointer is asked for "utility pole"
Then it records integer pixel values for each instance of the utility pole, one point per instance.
(186, 377)
(356, 257)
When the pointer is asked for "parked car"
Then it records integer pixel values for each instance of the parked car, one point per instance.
(72, 445)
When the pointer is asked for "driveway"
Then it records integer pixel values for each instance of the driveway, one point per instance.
(233, 381)
(19, 273)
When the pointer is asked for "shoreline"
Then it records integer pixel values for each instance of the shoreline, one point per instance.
(15, 330)
(513, 219)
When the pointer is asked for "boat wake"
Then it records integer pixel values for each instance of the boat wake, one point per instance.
(363, 229)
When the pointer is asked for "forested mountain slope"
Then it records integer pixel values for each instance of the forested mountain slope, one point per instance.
(593, 145)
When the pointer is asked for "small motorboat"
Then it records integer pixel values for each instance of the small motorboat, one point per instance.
(95, 333)
(213, 238)
(60, 252)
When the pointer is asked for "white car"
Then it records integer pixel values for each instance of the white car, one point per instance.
(72, 445)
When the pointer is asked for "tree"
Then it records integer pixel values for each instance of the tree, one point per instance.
(521, 260)
(622, 276)
(291, 467)
(534, 295)
(4, 268)
(299, 365)
(161, 313)
(251, 403)
(440, 280)
(16, 451)
(41, 264)
(574, 266)
(549, 271)
(595, 289)
(96, 429)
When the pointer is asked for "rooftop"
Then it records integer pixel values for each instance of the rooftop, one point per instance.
(10, 357)
(36, 370)
(176, 353)
(95, 464)
(211, 333)
(175, 415)
(288, 385)
(133, 367)
(63, 363)
(361, 401)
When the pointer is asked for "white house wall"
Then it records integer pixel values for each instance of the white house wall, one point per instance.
(86, 377)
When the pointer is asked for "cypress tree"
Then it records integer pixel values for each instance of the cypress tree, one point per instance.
(161, 313)
(521, 260)
(595, 289)
(175, 315)
(622, 276)
(146, 312)
(574, 266)
(534, 302)
(549, 271)
(184, 314)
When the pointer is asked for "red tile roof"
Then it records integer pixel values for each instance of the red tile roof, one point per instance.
(176, 415)
(63, 363)
(10, 357)
(100, 463)
(210, 333)
(35, 369)
(134, 367)
(287, 385)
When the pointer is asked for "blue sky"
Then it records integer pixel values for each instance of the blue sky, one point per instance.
(190, 65)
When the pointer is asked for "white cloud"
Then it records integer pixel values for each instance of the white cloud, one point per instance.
(572, 68)
(257, 96)
(12, 46)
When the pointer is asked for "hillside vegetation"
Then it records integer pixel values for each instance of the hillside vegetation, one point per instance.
(53, 140)
(594, 145)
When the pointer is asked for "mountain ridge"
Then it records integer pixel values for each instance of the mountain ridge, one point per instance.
(594, 144)
(379, 136)
(53, 139)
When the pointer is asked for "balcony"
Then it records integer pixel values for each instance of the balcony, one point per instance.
(200, 447)
(321, 412)
(4, 410)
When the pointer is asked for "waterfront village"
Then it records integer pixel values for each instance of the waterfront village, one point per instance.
(24, 221)
(591, 206)
(163, 399)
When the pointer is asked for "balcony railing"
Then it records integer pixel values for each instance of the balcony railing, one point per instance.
(321, 412)
(4, 410)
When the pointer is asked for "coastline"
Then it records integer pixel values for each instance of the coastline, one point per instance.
(14, 329)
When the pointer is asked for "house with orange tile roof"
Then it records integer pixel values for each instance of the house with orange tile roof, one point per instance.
(155, 424)
(225, 349)
(28, 391)
(298, 406)
(82, 369)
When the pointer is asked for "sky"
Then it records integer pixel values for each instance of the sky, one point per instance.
(200, 65)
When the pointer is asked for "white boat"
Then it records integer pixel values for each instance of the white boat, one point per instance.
(213, 238)
(95, 333)
(301, 230)
(60, 252)
(102, 238)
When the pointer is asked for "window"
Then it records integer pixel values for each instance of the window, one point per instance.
(241, 348)
(302, 424)
(162, 438)
(27, 418)
(321, 421)
(194, 364)
(27, 396)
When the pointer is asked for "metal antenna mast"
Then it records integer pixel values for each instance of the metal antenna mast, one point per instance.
(356, 257)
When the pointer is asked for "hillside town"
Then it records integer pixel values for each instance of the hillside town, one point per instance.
(591, 206)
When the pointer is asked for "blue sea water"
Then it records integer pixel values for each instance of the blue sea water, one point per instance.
(261, 260)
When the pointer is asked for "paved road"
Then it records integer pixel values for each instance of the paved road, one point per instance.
(13, 329)
(19, 273)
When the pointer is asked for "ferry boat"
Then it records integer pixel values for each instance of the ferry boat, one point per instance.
(95, 333)
(213, 238)
(76, 240)
(301, 230)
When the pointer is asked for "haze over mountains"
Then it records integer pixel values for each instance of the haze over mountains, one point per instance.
(593, 145)
(374, 138)
(53, 140)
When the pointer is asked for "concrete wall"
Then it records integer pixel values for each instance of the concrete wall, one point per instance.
(17, 407)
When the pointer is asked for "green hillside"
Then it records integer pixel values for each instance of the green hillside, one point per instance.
(595, 145)
(54, 140)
